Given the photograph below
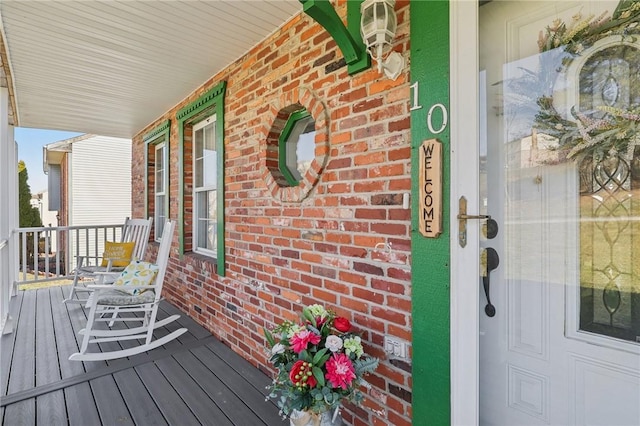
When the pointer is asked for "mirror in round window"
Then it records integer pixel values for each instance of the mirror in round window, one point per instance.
(297, 146)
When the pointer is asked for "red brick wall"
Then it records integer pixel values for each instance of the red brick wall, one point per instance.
(282, 255)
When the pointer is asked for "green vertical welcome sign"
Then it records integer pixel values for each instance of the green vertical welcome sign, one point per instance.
(431, 256)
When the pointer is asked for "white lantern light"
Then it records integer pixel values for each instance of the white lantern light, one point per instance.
(378, 28)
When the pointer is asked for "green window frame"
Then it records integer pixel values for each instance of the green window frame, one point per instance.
(287, 148)
(158, 138)
(208, 104)
(205, 187)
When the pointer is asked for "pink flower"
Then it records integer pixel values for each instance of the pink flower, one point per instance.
(301, 340)
(340, 371)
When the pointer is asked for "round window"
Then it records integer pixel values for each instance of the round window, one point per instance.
(297, 146)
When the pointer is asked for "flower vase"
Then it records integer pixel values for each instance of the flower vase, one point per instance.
(306, 418)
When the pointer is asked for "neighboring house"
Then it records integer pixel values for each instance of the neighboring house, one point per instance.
(49, 218)
(524, 111)
(89, 180)
(40, 200)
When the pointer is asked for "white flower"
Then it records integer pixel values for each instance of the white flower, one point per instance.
(333, 343)
(295, 328)
(278, 348)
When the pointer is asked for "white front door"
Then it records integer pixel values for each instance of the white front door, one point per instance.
(558, 143)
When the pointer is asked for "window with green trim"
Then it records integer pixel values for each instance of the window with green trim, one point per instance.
(297, 146)
(201, 175)
(157, 176)
(159, 210)
(205, 175)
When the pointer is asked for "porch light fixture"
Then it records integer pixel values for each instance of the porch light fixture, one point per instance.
(378, 27)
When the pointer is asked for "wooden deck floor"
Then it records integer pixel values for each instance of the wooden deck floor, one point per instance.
(192, 380)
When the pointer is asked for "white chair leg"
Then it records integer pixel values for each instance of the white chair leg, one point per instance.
(73, 296)
(88, 329)
(113, 317)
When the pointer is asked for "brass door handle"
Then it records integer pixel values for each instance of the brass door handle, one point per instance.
(471, 216)
(462, 220)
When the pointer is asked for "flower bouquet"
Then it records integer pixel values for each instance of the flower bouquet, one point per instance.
(320, 362)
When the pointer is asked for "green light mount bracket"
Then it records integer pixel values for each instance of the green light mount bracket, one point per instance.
(347, 37)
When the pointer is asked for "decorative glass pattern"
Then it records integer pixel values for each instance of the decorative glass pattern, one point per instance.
(610, 204)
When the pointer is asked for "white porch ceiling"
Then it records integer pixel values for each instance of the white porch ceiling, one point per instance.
(112, 67)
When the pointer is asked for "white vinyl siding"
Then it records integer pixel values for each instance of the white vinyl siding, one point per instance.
(205, 176)
(99, 182)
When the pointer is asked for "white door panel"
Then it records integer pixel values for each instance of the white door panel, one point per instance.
(561, 348)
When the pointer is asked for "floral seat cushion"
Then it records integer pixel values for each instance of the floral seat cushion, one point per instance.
(122, 298)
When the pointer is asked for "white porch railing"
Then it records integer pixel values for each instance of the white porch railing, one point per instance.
(50, 253)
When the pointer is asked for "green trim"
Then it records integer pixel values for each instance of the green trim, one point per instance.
(211, 102)
(282, 144)
(430, 282)
(348, 39)
(161, 128)
(159, 134)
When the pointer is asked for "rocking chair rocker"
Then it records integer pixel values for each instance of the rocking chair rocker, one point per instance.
(128, 295)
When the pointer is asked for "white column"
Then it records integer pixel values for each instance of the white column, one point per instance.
(9, 195)
(14, 211)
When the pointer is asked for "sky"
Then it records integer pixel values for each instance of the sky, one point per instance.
(30, 143)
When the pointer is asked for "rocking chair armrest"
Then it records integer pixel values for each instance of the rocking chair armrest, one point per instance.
(128, 287)
(100, 286)
(106, 273)
(140, 287)
(106, 277)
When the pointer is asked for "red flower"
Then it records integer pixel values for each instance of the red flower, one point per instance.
(301, 340)
(301, 375)
(320, 321)
(342, 324)
(340, 371)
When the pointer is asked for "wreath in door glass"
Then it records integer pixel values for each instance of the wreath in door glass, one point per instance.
(585, 107)
(601, 113)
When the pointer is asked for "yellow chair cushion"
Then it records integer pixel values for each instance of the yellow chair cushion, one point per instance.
(136, 274)
(118, 253)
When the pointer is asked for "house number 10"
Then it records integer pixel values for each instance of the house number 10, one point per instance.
(443, 110)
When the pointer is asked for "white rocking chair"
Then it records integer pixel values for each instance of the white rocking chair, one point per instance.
(136, 230)
(109, 303)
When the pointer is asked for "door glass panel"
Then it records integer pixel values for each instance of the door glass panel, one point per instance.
(610, 197)
(610, 245)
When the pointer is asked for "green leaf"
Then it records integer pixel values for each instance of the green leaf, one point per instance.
(304, 355)
(317, 373)
(269, 337)
(307, 315)
(318, 356)
(365, 365)
(322, 360)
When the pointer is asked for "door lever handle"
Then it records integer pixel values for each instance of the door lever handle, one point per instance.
(462, 220)
(474, 216)
(489, 261)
